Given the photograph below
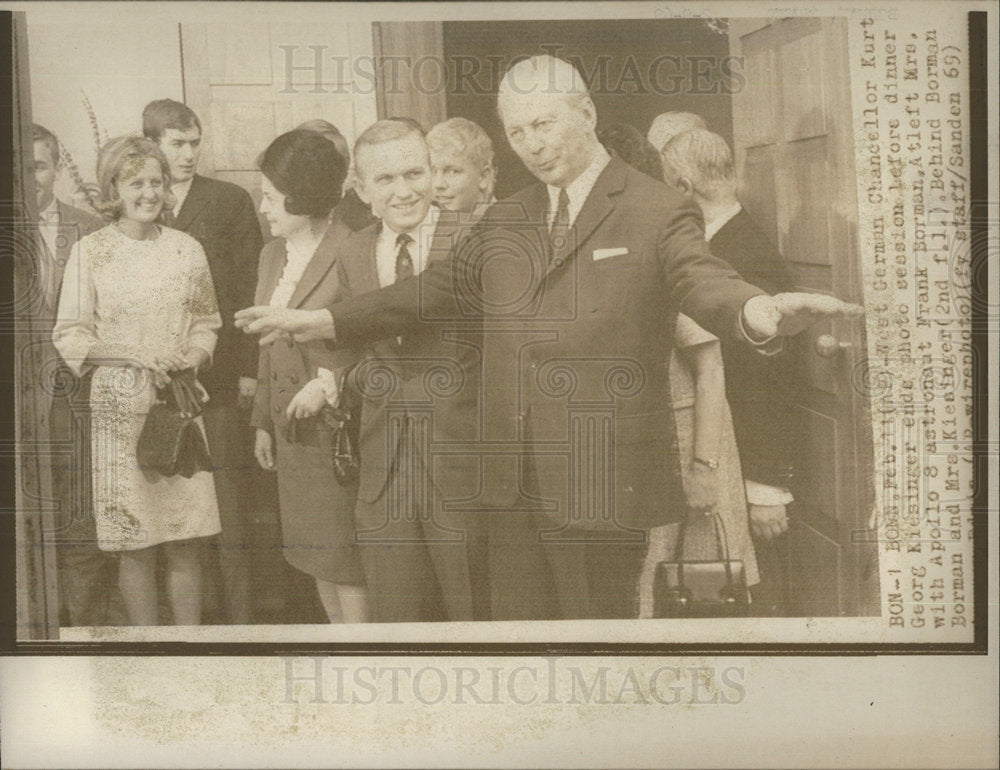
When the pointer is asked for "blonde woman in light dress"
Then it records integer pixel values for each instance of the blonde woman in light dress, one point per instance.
(705, 437)
(137, 303)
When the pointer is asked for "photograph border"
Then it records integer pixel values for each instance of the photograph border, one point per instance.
(980, 270)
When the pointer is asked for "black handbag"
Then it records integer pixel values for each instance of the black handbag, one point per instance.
(701, 589)
(343, 419)
(171, 442)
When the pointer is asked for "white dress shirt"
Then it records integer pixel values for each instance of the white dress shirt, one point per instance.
(386, 249)
(48, 225)
(419, 248)
(180, 191)
(578, 190)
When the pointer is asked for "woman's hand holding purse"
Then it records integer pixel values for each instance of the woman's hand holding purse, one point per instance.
(307, 402)
(701, 486)
(165, 363)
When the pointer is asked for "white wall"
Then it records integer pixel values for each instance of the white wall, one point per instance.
(121, 66)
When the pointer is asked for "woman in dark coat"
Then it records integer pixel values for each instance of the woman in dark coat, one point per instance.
(302, 179)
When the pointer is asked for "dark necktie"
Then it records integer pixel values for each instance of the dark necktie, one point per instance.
(559, 231)
(404, 262)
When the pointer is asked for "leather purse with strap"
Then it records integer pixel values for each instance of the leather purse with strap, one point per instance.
(701, 589)
(171, 442)
(342, 419)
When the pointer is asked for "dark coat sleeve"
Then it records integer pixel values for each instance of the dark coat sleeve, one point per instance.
(229, 231)
(760, 389)
(701, 285)
(246, 248)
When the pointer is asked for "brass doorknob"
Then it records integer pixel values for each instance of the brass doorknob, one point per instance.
(828, 346)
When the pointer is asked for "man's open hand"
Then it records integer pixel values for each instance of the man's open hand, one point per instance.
(785, 315)
(274, 323)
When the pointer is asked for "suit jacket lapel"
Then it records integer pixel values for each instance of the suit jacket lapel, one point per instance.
(595, 209)
(194, 204)
(359, 261)
(448, 232)
(318, 267)
(272, 262)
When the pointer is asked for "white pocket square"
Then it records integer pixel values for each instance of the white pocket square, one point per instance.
(605, 253)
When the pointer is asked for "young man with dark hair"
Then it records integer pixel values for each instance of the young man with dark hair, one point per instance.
(222, 217)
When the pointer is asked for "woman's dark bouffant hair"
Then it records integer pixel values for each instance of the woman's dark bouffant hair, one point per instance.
(308, 171)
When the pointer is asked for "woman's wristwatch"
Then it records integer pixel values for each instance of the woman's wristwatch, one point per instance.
(709, 464)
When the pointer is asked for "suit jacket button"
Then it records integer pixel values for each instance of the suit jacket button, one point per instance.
(521, 416)
(558, 261)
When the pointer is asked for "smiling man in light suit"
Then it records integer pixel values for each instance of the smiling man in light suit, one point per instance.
(577, 281)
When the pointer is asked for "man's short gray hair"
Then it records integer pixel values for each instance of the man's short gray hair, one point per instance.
(701, 157)
(669, 124)
(382, 131)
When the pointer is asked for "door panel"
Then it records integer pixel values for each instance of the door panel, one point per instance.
(816, 562)
(260, 80)
(793, 138)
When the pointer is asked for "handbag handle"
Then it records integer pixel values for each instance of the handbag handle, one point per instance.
(187, 382)
(722, 545)
(182, 392)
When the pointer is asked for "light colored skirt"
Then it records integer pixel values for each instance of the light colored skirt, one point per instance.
(136, 508)
(700, 542)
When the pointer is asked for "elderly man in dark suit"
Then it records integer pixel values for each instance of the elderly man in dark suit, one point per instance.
(417, 391)
(222, 217)
(576, 281)
(84, 584)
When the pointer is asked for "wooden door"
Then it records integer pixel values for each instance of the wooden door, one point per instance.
(792, 131)
(250, 82)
